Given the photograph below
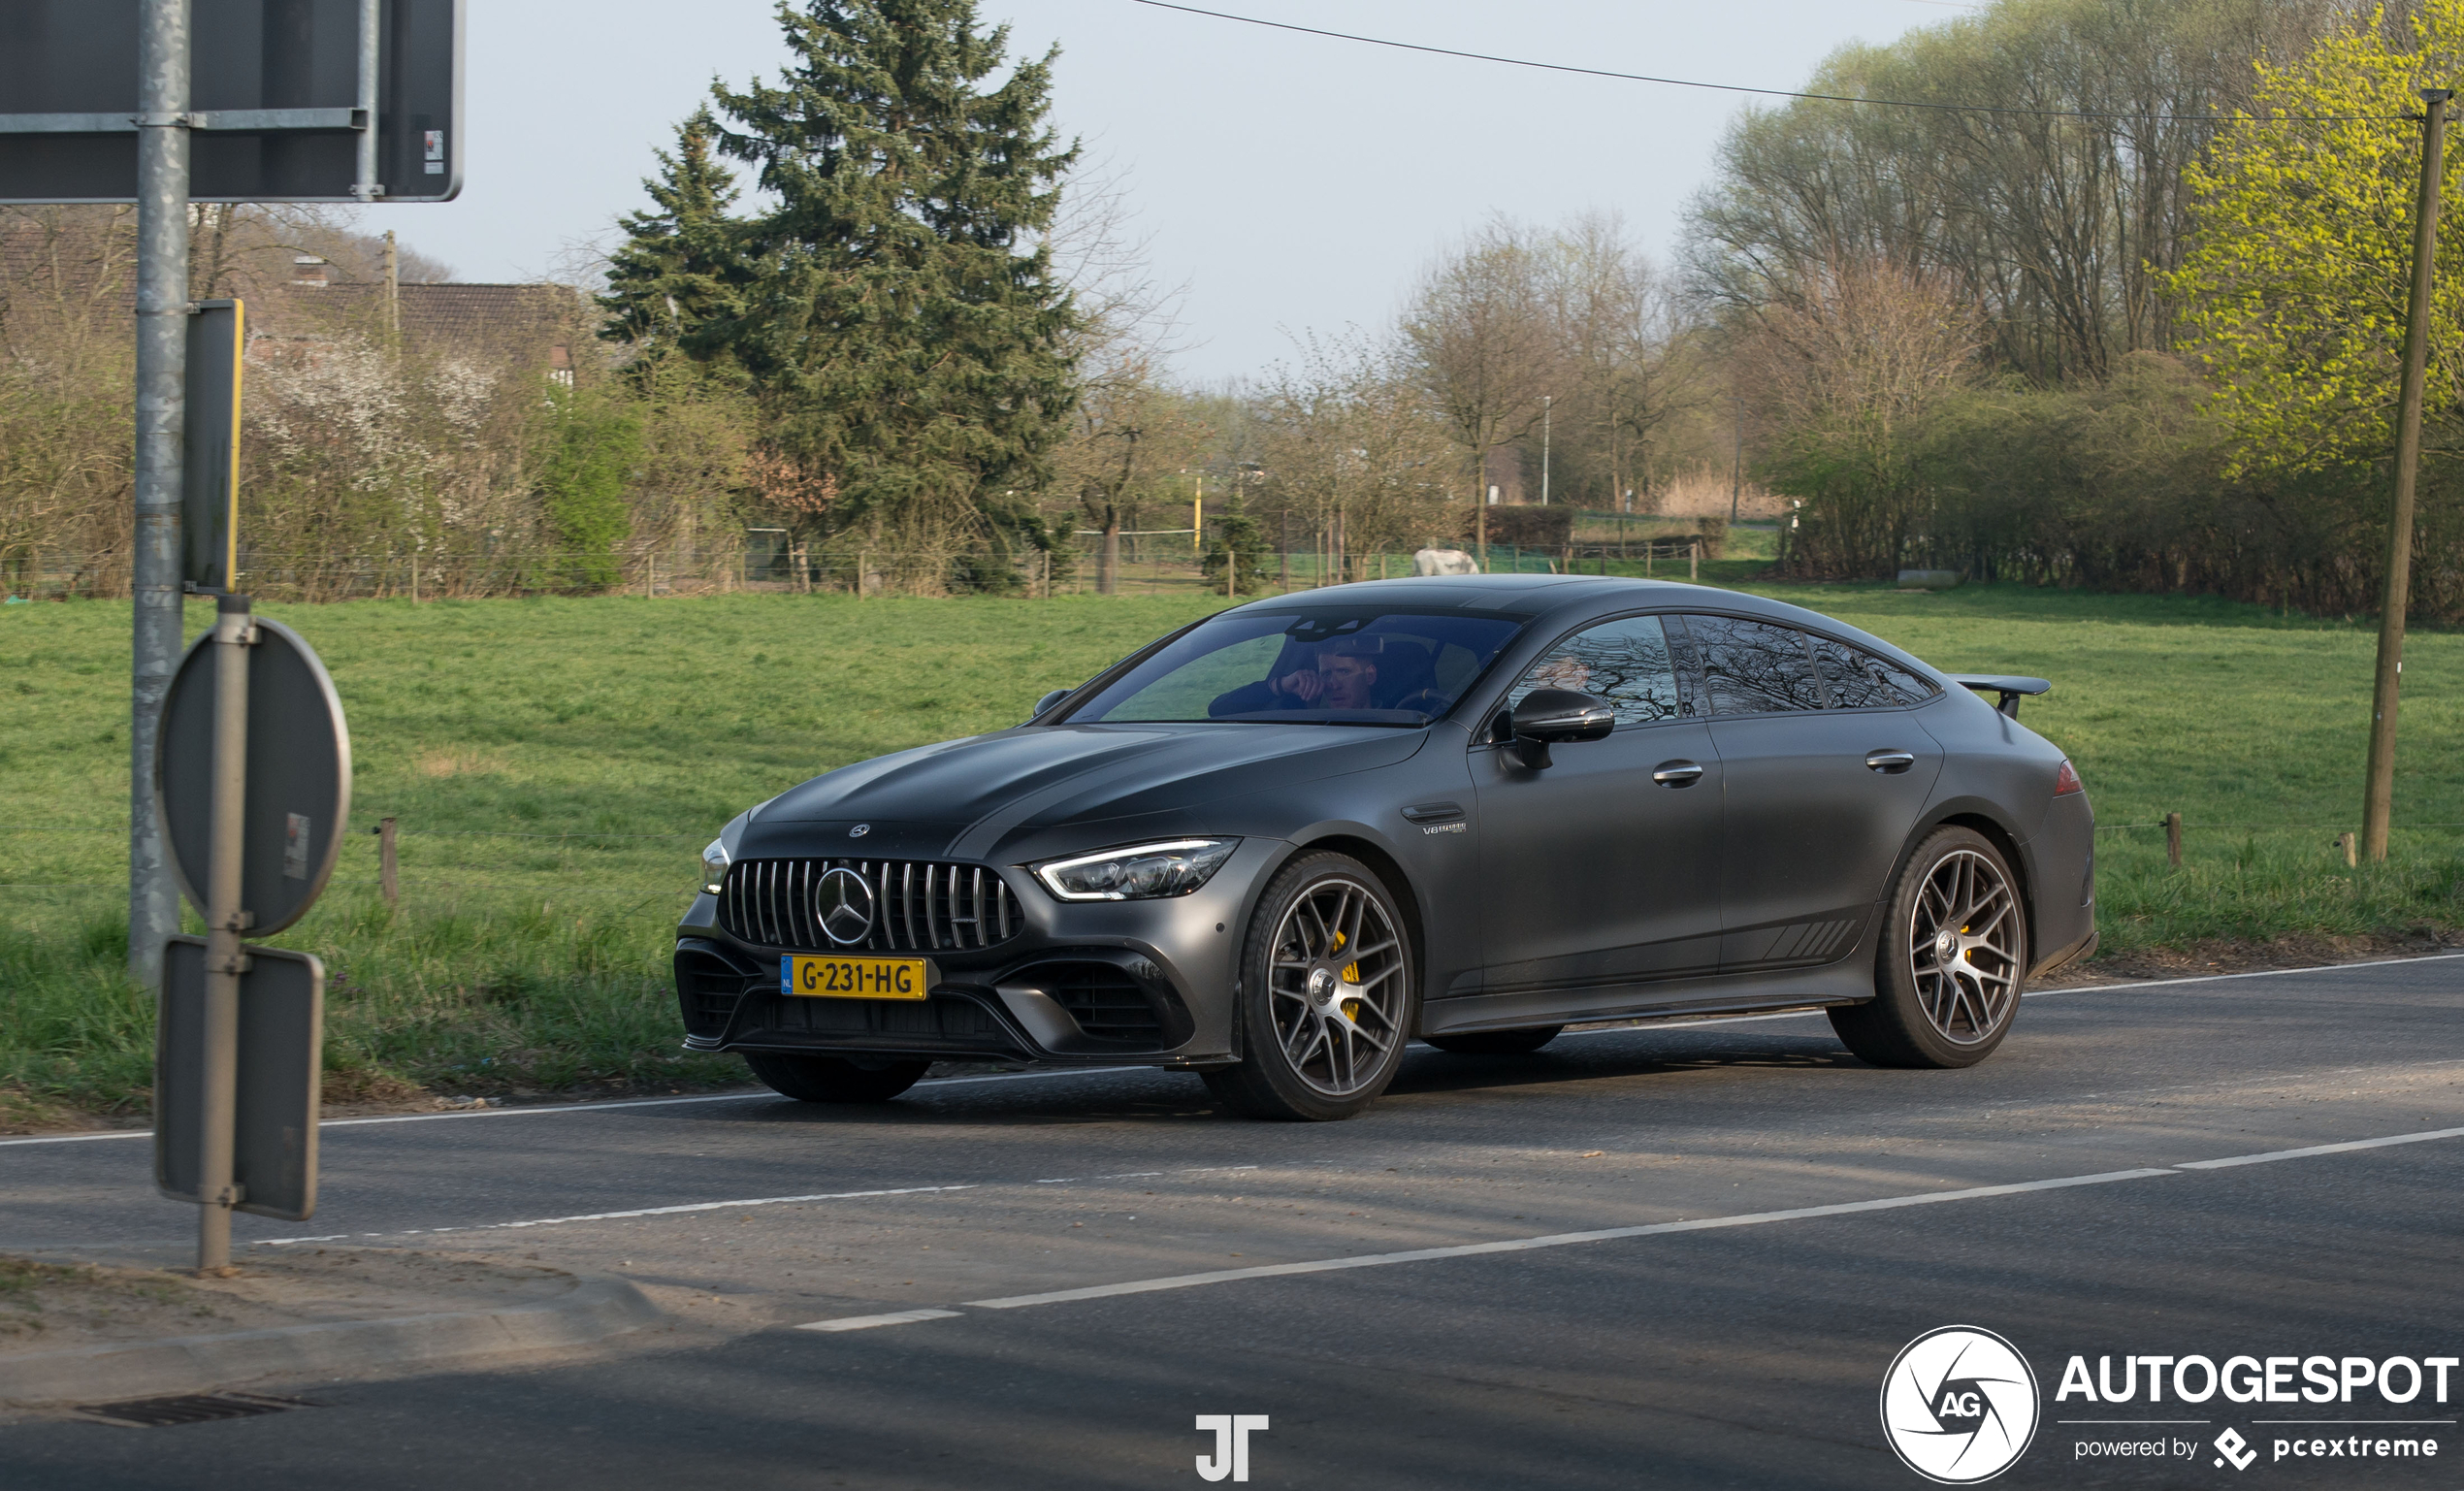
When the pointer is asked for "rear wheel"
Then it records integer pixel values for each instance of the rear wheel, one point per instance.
(1327, 996)
(1954, 952)
(833, 1079)
(1496, 1043)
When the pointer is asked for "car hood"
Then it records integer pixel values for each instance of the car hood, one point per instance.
(983, 788)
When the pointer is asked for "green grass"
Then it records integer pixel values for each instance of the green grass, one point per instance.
(556, 764)
(554, 768)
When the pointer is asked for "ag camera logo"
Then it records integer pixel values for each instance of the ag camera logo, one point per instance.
(1960, 1405)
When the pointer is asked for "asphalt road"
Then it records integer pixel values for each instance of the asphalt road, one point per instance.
(1780, 1221)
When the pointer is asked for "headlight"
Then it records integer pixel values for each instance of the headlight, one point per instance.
(1141, 872)
(714, 866)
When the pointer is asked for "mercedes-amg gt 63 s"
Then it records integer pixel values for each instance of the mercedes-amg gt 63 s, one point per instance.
(1280, 843)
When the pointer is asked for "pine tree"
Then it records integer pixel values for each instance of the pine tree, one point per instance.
(1239, 540)
(680, 269)
(900, 316)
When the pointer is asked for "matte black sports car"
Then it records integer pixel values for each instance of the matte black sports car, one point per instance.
(1277, 844)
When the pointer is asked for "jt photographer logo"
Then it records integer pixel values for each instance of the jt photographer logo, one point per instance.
(1959, 1404)
(1231, 1457)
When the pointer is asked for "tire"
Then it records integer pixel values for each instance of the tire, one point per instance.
(833, 1079)
(1328, 995)
(1947, 979)
(1496, 1043)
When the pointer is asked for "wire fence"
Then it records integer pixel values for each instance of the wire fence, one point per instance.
(1144, 561)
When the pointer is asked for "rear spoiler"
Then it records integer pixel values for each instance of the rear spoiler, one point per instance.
(2010, 686)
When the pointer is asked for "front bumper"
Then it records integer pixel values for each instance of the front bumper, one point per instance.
(1088, 982)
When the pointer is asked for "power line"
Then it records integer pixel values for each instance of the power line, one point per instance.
(1731, 88)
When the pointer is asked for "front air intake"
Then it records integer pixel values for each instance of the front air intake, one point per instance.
(918, 906)
(1107, 1003)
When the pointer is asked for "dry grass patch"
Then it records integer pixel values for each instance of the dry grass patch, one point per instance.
(461, 761)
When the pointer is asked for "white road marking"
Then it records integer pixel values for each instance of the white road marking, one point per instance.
(651, 1211)
(630, 1102)
(1653, 1024)
(721, 1206)
(867, 1322)
(1553, 1240)
(1655, 1229)
(2319, 1149)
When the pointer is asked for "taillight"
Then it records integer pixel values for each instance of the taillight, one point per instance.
(2066, 781)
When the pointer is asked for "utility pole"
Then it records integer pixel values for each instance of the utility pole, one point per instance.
(2379, 794)
(162, 403)
(393, 291)
(1736, 457)
(1546, 402)
(1481, 507)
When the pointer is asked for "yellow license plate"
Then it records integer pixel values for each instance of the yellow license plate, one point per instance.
(853, 978)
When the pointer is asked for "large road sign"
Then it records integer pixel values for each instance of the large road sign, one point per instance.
(298, 784)
(277, 101)
(280, 1069)
(210, 481)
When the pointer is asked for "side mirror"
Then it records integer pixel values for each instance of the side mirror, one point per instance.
(1047, 702)
(1557, 716)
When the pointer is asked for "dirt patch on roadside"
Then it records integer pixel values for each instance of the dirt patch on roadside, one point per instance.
(2300, 951)
(59, 1305)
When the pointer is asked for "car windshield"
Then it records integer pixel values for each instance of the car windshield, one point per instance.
(1329, 666)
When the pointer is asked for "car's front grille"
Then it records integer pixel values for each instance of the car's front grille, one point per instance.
(918, 906)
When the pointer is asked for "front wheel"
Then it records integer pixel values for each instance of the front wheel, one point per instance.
(1954, 952)
(833, 1079)
(1327, 996)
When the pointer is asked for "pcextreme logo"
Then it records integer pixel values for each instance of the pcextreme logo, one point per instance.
(1959, 1404)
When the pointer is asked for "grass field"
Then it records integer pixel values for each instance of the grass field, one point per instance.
(555, 765)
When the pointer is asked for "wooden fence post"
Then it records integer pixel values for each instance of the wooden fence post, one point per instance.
(2173, 838)
(388, 867)
(1693, 561)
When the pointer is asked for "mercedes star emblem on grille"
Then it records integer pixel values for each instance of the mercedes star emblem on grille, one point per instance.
(843, 904)
(860, 830)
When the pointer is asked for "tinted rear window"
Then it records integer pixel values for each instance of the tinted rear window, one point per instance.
(1859, 680)
(1753, 666)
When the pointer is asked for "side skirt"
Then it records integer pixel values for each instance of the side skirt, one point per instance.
(1849, 981)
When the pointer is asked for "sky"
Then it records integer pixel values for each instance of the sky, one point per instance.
(1285, 182)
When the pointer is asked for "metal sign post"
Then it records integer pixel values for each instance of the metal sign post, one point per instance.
(252, 781)
(162, 363)
(233, 635)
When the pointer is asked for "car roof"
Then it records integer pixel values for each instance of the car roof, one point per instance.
(1550, 595)
(1514, 595)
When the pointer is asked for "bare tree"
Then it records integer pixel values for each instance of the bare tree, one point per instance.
(1132, 434)
(1618, 343)
(1845, 373)
(1478, 336)
(1351, 450)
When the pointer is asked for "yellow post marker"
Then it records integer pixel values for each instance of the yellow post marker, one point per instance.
(1198, 515)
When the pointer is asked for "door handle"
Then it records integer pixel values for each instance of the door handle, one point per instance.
(1677, 773)
(1891, 762)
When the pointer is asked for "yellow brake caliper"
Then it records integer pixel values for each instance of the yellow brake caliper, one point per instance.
(1351, 975)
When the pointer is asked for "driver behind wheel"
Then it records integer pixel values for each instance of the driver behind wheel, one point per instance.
(1346, 677)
